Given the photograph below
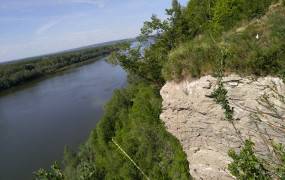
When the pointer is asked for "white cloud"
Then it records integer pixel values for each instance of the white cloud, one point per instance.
(47, 26)
(57, 20)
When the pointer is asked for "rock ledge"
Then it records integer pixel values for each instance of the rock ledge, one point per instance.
(199, 124)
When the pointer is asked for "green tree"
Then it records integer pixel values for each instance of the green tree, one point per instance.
(55, 173)
(198, 15)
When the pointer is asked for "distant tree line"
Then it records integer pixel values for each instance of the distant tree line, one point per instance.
(15, 73)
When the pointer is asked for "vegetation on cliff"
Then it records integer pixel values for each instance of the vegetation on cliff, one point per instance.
(253, 47)
(191, 43)
(131, 119)
(248, 164)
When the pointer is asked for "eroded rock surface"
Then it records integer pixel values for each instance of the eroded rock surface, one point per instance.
(199, 122)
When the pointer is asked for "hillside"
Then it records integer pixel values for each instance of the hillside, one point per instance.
(254, 47)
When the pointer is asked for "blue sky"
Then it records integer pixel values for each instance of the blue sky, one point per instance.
(35, 27)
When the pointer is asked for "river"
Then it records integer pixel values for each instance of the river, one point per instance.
(39, 119)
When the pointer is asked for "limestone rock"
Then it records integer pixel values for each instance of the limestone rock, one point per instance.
(199, 124)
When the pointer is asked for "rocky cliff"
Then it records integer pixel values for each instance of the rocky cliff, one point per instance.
(199, 122)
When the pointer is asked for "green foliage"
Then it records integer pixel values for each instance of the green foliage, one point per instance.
(248, 55)
(216, 16)
(145, 67)
(245, 165)
(220, 96)
(155, 25)
(168, 34)
(227, 13)
(55, 173)
(132, 118)
(279, 151)
(179, 29)
(199, 15)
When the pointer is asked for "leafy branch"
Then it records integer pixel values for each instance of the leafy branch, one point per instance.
(220, 94)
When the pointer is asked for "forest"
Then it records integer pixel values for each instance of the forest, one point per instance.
(190, 43)
(19, 72)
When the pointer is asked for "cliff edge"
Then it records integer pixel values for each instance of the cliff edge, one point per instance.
(199, 122)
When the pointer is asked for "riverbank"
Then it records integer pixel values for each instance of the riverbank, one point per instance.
(34, 81)
(20, 72)
(39, 118)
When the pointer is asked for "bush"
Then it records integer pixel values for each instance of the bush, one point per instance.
(246, 165)
(55, 173)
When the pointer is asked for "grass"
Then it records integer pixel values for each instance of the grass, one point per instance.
(247, 55)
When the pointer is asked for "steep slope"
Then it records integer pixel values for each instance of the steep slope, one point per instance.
(211, 117)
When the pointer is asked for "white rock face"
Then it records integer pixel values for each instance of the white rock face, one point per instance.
(199, 122)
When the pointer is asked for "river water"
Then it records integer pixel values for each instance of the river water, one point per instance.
(37, 120)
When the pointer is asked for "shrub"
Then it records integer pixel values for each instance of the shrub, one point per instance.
(55, 173)
(220, 96)
(246, 165)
